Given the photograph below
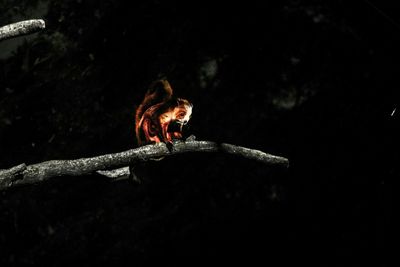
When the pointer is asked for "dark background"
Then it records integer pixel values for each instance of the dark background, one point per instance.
(314, 81)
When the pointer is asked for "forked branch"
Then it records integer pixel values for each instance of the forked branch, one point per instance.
(40, 172)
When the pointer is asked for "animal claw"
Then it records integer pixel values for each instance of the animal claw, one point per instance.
(191, 138)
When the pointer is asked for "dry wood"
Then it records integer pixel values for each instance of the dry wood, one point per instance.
(21, 28)
(36, 173)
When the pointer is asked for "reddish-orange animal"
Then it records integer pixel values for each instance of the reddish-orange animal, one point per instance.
(158, 111)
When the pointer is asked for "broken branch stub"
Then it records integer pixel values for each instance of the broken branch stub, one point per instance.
(21, 28)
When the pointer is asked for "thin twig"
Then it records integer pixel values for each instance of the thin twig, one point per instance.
(36, 173)
(21, 28)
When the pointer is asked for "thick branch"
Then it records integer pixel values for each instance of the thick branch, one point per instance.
(36, 173)
(21, 28)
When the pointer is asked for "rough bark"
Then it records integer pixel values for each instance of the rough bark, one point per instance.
(40, 172)
(21, 28)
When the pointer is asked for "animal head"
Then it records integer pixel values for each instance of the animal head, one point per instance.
(182, 112)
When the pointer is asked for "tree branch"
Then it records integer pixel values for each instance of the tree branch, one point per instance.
(36, 173)
(21, 28)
